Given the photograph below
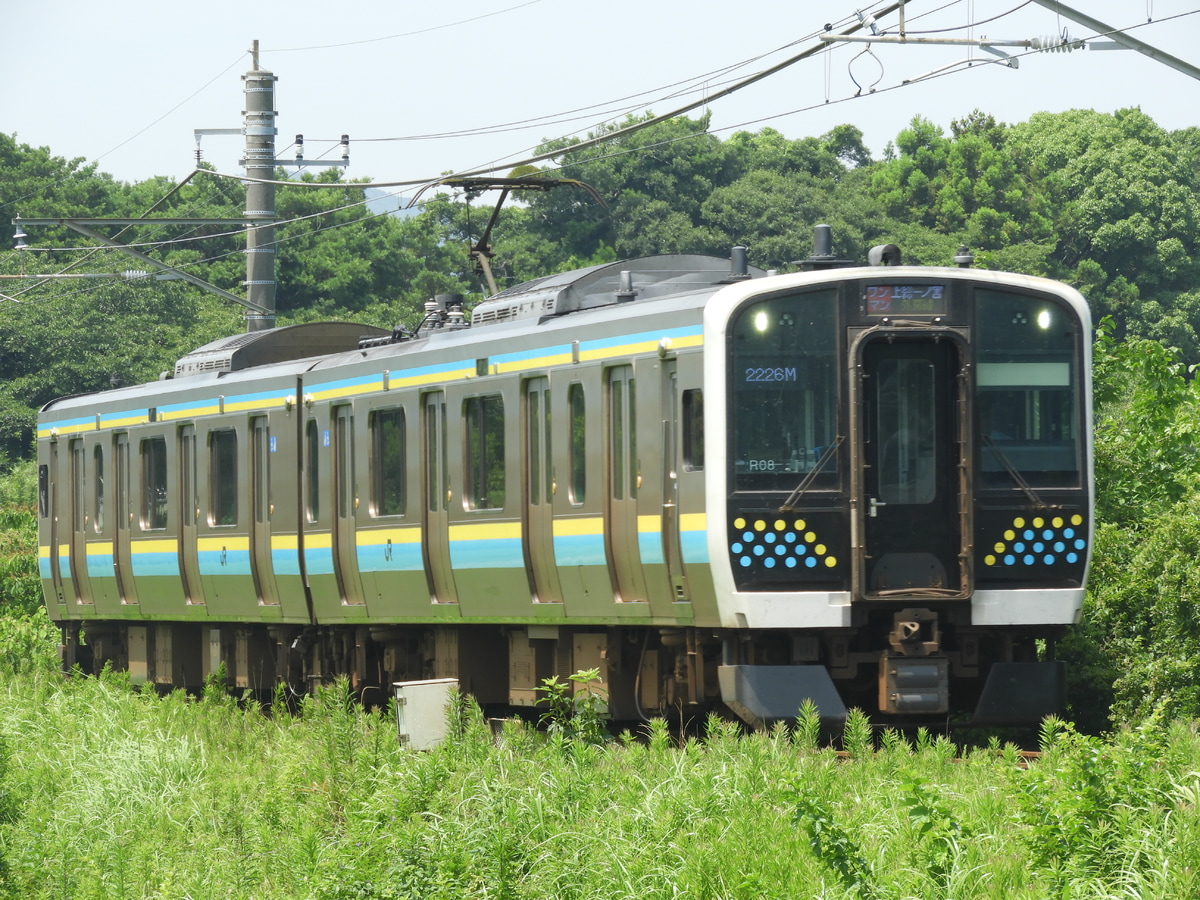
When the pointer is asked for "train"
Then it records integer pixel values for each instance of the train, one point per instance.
(860, 486)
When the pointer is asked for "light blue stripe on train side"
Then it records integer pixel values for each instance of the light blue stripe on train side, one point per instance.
(156, 565)
(487, 553)
(224, 562)
(394, 557)
(579, 550)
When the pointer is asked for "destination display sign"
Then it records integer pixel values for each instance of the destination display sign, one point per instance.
(905, 300)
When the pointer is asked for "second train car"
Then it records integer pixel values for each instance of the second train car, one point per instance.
(864, 486)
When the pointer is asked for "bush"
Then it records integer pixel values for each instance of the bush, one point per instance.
(20, 582)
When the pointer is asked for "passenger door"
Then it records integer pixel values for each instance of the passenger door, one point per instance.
(912, 469)
(539, 493)
(260, 520)
(80, 578)
(345, 556)
(623, 481)
(122, 490)
(436, 490)
(189, 513)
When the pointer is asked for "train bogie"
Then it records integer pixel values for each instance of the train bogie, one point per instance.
(859, 486)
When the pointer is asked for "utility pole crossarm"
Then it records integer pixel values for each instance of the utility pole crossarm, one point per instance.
(1118, 36)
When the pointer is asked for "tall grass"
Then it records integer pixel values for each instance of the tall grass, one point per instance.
(120, 793)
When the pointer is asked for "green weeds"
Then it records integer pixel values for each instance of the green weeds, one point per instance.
(118, 793)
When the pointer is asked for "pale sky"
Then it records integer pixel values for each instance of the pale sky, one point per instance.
(125, 82)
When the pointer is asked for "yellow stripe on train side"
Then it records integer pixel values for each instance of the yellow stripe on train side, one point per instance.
(542, 362)
(380, 536)
(485, 531)
(233, 542)
(395, 382)
(159, 545)
(693, 522)
(578, 527)
(649, 524)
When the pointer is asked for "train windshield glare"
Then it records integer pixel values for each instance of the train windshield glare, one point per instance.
(1027, 391)
(784, 392)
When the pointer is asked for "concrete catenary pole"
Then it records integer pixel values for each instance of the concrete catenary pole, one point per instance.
(260, 197)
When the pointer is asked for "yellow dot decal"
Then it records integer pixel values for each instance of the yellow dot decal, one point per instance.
(760, 525)
(1018, 522)
(989, 560)
(830, 561)
(739, 522)
(810, 536)
(819, 549)
(1058, 522)
(1009, 535)
(999, 548)
(780, 524)
(800, 524)
(1039, 522)
(1076, 519)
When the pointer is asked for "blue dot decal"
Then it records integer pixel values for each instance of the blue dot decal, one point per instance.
(1019, 547)
(1048, 559)
(790, 562)
(790, 537)
(1072, 557)
(811, 562)
(1028, 535)
(1028, 559)
(769, 562)
(1047, 534)
(736, 548)
(1038, 547)
(1080, 544)
(770, 538)
(759, 549)
(1059, 546)
(1009, 559)
(745, 561)
(748, 537)
(1068, 532)
(801, 550)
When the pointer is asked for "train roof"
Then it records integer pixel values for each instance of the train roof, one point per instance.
(289, 342)
(650, 277)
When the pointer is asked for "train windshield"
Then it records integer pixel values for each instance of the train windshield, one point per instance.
(1027, 391)
(784, 393)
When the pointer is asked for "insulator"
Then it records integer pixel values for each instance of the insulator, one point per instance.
(1051, 43)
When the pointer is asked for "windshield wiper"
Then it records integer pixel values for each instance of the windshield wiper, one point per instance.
(794, 497)
(1016, 476)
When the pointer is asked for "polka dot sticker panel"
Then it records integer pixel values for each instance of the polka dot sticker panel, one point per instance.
(777, 543)
(1044, 540)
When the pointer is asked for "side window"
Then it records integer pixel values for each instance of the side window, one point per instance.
(78, 487)
(693, 430)
(387, 462)
(223, 478)
(312, 471)
(98, 484)
(154, 483)
(484, 417)
(576, 412)
(44, 491)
